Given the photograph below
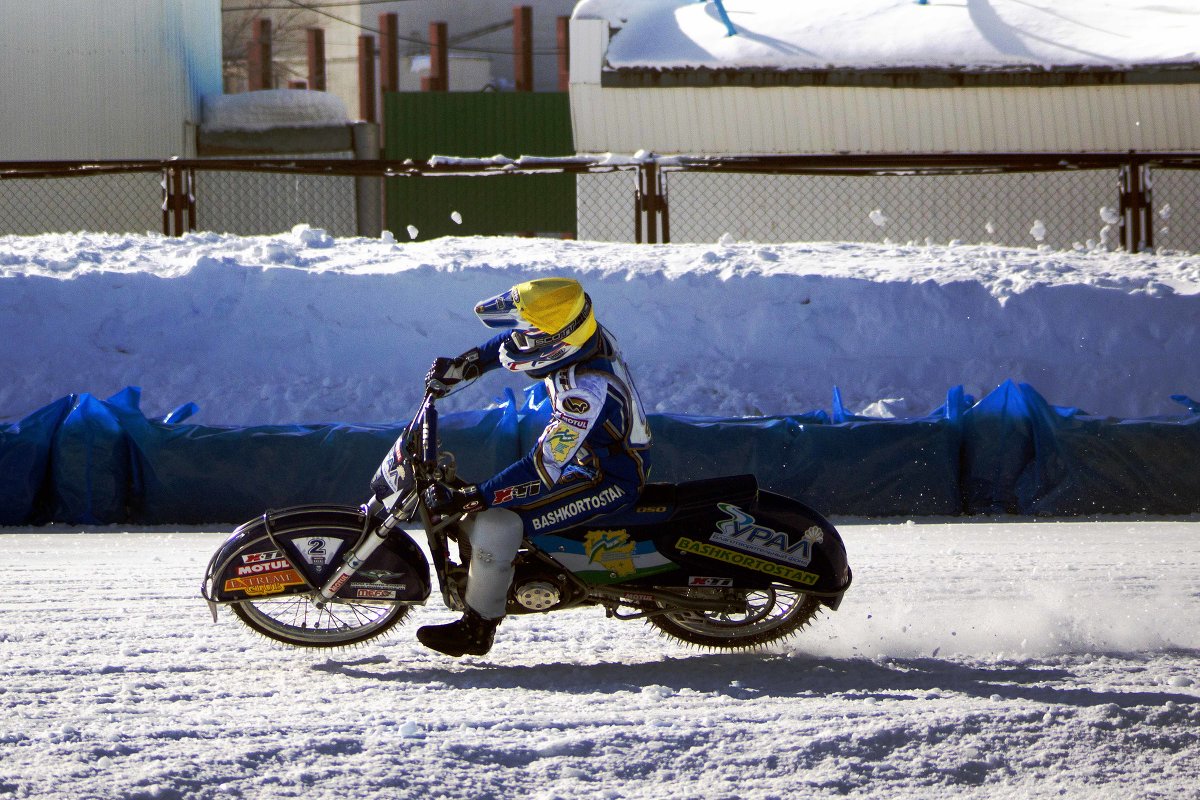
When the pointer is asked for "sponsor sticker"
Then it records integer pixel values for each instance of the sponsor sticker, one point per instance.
(509, 493)
(697, 580)
(576, 508)
(574, 422)
(318, 550)
(266, 555)
(264, 567)
(382, 576)
(745, 561)
(375, 594)
(560, 441)
(741, 532)
(576, 405)
(651, 509)
(612, 550)
(268, 583)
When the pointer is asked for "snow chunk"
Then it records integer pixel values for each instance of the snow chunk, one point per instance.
(273, 108)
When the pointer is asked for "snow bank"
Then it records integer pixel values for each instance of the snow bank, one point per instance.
(302, 327)
(273, 108)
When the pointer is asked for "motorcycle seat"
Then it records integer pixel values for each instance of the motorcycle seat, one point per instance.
(740, 490)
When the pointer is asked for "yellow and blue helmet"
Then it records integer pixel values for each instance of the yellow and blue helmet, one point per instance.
(550, 320)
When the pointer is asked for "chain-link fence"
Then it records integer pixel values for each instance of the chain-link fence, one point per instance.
(251, 203)
(1176, 210)
(1064, 207)
(118, 203)
(234, 201)
(1058, 209)
(1067, 209)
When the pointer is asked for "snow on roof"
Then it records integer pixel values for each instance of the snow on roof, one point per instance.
(273, 108)
(873, 34)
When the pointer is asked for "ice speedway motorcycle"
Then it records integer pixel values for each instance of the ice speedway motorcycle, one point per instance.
(717, 563)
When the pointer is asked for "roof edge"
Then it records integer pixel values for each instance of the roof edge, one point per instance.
(933, 77)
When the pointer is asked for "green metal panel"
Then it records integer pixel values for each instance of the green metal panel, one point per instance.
(419, 125)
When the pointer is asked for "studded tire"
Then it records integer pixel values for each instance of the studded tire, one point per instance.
(774, 613)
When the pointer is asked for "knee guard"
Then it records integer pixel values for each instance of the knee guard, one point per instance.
(495, 535)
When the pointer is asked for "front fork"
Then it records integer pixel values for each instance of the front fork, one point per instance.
(359, 555)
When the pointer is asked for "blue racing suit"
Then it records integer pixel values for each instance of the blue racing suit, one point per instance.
(592, 457)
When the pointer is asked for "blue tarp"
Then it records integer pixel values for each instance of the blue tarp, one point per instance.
(83, 460)
(25, 449)
(90, 467)
(1086, 465)
(120, 466)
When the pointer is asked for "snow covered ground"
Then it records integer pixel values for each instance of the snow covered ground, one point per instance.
(302, 327)
(979, 660)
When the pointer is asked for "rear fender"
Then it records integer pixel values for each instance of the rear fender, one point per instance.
(827, 551)
(763, 539)
(295, 550)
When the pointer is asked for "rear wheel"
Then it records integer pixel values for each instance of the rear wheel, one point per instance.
(770, 614)
(296, 620)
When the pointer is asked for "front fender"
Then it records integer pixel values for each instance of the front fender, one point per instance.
(294, 551)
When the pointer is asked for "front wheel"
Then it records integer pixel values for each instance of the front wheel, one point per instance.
(770, 614)
(297, 621)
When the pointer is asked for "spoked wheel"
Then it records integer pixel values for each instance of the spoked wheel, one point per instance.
(770, 614)
(296, 620)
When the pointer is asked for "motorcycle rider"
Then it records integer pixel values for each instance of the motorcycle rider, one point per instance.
(591, 459)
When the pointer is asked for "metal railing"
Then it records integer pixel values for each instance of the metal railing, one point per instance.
(1137, 201)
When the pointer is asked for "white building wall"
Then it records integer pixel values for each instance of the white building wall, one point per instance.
(784, 120)
(107, 79)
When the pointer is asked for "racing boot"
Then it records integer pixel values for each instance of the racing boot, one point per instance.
(472, 635)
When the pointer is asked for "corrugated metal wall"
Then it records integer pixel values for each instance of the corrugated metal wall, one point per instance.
(419, 125)
(865, 120)
(105, 79)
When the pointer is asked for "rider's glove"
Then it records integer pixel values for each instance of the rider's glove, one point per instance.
(448, 502)
(446, 372)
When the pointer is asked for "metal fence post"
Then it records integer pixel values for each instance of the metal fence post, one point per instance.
(190, 198)
(650, 205)
(166, 200)
(368, 189)
(637, 208)
(1136, 208)
(664, 208)
(179, 200)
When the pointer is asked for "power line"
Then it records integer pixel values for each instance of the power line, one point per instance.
(312, 6)
(316, 8)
